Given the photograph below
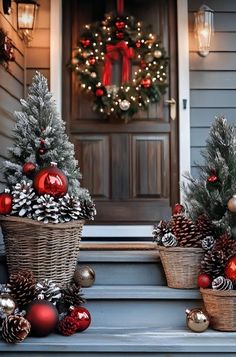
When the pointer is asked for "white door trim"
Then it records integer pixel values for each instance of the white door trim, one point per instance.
(184, 93)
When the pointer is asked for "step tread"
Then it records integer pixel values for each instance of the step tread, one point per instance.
(142, 256)
(130, 340)
(136, 292)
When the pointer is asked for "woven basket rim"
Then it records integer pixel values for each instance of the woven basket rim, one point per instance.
(220, 293)
(181, 249)
(32, 222)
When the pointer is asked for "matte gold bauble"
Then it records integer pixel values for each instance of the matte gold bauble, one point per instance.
(232, 204)
(197, 320)
(7, 304)
(84, 276)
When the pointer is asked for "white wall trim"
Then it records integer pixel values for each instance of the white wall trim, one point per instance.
(184, 89)
(56, 52)
(184, 114)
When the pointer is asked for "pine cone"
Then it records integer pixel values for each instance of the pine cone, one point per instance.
(46, 209)
(221, 283)
(23, 198)
(204, 226)
(169, 240)
(22, 287)
(185, 231)
(88, 210)
(213, 263)
(71, 296)
(208, 242)
(225, 244)
(15, 329)
(48, 290)
(69, 207)
(67, 326)
(159, 230)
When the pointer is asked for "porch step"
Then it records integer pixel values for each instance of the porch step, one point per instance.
(131, 306)
(125, 267)
(125, 342)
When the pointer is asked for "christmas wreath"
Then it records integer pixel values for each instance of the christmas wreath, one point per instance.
(114, 38)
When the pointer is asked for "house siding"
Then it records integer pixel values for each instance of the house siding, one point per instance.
(212, 78)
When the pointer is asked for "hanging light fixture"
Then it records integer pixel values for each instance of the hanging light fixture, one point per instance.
(26, 15)
(204, 29)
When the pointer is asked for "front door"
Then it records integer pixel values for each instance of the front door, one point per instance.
(130, 169)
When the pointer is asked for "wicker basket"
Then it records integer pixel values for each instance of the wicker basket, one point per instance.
(221, 308)
(181, 266)
(48, 250)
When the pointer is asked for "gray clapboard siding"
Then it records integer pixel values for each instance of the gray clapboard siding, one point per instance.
(223, 21)
(220, 61)
(203, 117)
(213, 98)
(216, 5)
(212, 79)
(221, 42)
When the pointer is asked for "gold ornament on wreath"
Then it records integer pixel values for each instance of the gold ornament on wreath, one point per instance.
(120, 38)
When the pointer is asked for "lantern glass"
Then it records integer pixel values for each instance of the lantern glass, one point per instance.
(204, 29)
(26, 15)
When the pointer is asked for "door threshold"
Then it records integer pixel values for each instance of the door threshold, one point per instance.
(118, 246)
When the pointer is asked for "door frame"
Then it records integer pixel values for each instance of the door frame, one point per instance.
(183, 97)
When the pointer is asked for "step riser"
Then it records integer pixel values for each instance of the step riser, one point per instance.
(140, 313)
(118, 354)
(128, 273)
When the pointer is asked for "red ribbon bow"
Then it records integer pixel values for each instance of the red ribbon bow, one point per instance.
(112, 54)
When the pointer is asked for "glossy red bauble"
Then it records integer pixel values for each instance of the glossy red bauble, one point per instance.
(138, 43)
(51, 181)
(82, 316)
(178, 209)
(92, 61)
(212, 179)
(29, 169)
(41, 151)
(119, 35)
(43, 317)
(120, 25)
(230, 269)
(204, 281)
(85, 42)
(5, 202)
(146, 82)
(99, 92)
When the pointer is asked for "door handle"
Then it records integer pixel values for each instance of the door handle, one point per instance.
(172, 103)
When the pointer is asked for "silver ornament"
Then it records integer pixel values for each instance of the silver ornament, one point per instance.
(93, 74)
(148, 57)
(7, 305)
(197, 320)
(84, 276)
(157, 54)
(124, 105)
(221, 283)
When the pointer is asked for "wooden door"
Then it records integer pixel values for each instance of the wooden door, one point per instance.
(130, 169)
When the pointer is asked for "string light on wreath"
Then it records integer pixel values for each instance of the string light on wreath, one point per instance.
(120, 38)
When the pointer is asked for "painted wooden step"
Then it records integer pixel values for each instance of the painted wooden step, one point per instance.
(125, 342)
(131, 306)
(124, 267)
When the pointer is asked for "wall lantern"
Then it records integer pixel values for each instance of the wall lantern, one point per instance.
(26, 16)
(204, 29)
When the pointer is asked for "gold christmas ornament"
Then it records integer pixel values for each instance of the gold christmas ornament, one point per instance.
(232, 204)
(197, 320)
(7, 304)
(157, 54)
(84, 276)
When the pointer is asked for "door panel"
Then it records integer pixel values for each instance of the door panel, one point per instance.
(130, 169)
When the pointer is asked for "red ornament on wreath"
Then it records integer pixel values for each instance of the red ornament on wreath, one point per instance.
(119, 35)
(29, 169)
(92, 61)
(120, 25)
(230, 269)
(99, 92)
(204, 281)
(146, 82)
(85, 42)
(5, 202)
(51, 181)
(43, 317)
(82, 316)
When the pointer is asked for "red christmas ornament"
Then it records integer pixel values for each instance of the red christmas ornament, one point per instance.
(29, 169)
(146, 82)
(42, 142)
(5, 202)
(85, 42)
(119, 35)
(178, 209)
(204, 281)
(51, 181)
(138, 43)
(41, 151)
(230, 269)
(43, 317)
(82, 316)
(99, 92)
(212, 178)
(120, 25)
(68, 326)
(143, 64)
(92, 61)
